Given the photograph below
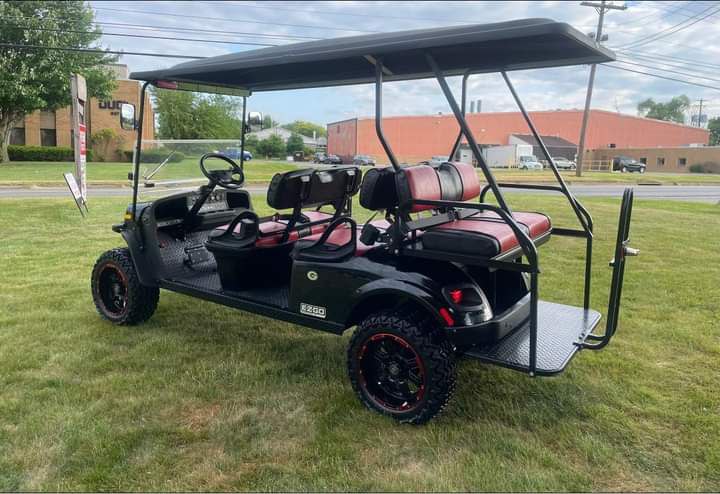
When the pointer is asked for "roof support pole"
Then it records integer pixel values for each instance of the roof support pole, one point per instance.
(465, 129)
(378, 114)
(463, 105)
(571, 198)
(582, 215)
(138, 146)
(242, 133)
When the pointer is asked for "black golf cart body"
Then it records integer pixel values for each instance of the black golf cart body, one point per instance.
(469, 267)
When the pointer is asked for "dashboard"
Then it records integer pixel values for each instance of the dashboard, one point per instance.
(216, 201)
(220, 207)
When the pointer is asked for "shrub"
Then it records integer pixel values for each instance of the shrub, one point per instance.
(106, 144)
(705, 167)
(43, 153)
(156, 156)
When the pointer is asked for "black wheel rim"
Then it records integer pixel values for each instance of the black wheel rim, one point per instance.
(112, 288)
(391, 373)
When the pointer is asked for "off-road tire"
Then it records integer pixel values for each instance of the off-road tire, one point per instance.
(437, 355)
(140, 301)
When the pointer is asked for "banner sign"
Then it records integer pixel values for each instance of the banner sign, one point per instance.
(75, 191)
(79, 97)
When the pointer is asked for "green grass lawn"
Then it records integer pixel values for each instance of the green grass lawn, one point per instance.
(259, 171)
(206, 398)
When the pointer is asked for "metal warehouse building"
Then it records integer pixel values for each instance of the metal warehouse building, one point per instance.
(417, 138)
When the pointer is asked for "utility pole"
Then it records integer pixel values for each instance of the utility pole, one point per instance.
(601, 8)
(699, 121)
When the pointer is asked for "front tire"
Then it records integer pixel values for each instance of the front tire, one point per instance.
(400, 367)
(117, 292)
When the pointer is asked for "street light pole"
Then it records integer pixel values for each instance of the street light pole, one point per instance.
(600, 7)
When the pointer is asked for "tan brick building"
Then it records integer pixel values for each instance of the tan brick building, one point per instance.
(54, 128)
(660, 159)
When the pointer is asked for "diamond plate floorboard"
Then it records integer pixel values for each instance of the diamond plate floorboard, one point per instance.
(560, 329)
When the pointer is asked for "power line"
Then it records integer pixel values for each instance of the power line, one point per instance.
(352, 14)
(668, 70)
(214, 32)
(124, 35)
(224, 19)
(669, 57)
(90, 50)
(673, 29)
(703, 71)
(661, 77)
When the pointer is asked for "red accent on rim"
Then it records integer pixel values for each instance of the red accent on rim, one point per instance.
(418, 361)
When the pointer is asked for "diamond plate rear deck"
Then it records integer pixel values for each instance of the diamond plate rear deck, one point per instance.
(561, 328)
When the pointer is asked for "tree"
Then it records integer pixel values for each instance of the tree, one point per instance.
(35, 79)
(714, 128)
(271, 147)
(306, 128)
(186, 115)
(251, 144)
(672, 111)
(295, 143)
(105, 143)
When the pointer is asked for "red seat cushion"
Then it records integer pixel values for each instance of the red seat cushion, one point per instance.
(483, 234)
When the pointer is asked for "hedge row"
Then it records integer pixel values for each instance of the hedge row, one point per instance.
(43, 153)
(705, 167)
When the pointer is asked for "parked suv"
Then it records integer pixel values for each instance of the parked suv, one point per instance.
(332, 159)
(564, 163)
(363, 160)
(234, 153)
(626, 164)
(529, 162)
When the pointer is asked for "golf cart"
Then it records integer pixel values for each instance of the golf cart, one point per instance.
(439, 272)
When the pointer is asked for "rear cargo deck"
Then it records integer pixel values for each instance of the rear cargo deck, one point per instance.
(561, 331)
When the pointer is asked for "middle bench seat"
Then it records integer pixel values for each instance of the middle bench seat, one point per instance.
(482, 234)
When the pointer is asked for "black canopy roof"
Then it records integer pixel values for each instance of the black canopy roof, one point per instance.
(504, 46)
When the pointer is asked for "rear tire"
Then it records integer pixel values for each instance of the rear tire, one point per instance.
(117, 292)
(400, 367)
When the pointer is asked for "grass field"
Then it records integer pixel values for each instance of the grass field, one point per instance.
(206, 398)
(258, 171)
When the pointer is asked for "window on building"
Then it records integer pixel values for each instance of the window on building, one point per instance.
(661, 162)
(17, 136)
(643, 161)
(48, 137)
(682, 161)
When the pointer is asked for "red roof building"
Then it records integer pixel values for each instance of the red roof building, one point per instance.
(417, 138)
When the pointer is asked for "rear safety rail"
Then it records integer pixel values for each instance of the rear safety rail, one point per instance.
(622, 251)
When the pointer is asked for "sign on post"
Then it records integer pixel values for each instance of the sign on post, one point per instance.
(79, 97)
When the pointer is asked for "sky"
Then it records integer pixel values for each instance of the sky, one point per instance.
(684, 30)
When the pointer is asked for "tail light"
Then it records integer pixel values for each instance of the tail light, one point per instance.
(467, 305)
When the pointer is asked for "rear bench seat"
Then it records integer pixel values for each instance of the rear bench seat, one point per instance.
(477, 233)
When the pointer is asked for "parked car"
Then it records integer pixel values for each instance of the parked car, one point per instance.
(319, 157)
(627, 164)
(363, 160)
(234, 153)
(563, 163)
(332, 159)
(529, 162)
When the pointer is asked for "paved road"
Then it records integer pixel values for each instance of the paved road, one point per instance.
(703, 193)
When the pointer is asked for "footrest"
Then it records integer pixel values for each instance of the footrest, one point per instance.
(561, 331)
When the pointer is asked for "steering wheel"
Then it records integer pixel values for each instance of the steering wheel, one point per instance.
(231, 178)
